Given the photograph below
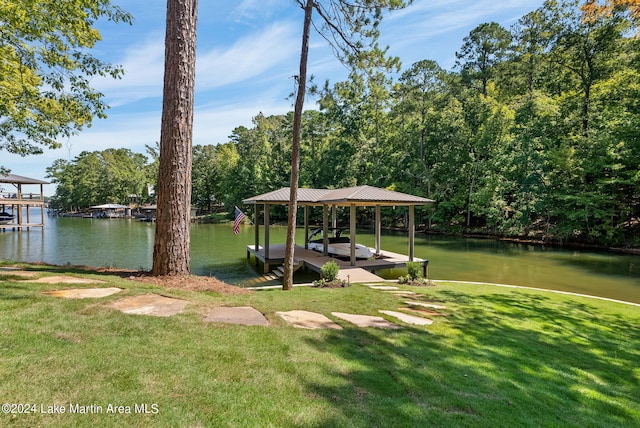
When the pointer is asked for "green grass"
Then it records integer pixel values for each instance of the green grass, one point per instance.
(502, 357)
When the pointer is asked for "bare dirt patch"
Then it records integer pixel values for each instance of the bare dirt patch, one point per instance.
(191, 282)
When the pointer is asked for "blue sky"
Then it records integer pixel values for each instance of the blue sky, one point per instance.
(247, 53)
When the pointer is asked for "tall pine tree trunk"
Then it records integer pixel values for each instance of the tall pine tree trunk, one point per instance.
(295, 151)
(172, 240)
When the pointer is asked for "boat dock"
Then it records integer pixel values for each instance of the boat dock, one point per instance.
(15, 203)
(329, 200)
(363, 271)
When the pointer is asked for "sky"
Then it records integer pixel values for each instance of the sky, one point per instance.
(247, 54)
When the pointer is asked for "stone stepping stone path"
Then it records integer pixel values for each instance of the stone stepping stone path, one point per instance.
(401, 292)
(409, 319)
(383, 287)
(423, 312)
(83, 293)
(426, 305)
(157, 305)
(245, 315)
(150, 304)
(308, 320)
(366, 320)
(64, 279)
(17, 272)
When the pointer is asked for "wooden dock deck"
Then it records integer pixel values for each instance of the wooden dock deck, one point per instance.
(363, 271)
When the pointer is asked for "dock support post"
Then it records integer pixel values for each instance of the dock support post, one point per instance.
(334, 216)
(19, 207)
(378, 220)
(352, 231)
(42, 206)
(306, 227)
(256, 222)
(266, 232)
(412, 231)
(325, 230)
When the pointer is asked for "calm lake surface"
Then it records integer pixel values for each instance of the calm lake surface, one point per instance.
(216, 251)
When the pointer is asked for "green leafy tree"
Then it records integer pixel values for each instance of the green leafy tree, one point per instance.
(527, 63)
(46, 70)
(350, 26)
(483, 50)
(93, 178)
(205, 177)
(583, 50)
(421, 97)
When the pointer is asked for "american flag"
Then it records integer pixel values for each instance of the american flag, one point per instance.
(239, 219)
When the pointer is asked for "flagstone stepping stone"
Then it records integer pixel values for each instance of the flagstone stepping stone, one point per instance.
(383, 287)
(366, 320)
(64, 279)
(83, 293)
(16, 272)
(423, 312)
(426, 305)
(150, 304)
(308, 320)
(409, 319)
(401, 292)
(245, 315)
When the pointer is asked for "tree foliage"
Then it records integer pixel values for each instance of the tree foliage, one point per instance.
(46, 70)
(545, 147)
(351, 27)
(117, 176)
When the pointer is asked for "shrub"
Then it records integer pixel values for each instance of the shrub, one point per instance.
(414, 276)
(414, 269)
(329, 271)
(404, 279)
(407, 280)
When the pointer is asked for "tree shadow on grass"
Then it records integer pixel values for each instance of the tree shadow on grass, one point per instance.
(14, 291)
(516, 359)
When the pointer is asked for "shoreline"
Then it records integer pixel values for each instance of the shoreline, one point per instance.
(144, 276)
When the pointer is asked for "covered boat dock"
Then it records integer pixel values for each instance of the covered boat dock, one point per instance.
(16, 201)
(329, 199)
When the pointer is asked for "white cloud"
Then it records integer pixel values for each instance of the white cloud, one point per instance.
(251, 56)
(418, 31)
(143, 64)
(257, 10)
(254, 54)
(214, 123)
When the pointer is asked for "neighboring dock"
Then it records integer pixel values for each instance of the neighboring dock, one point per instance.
(16, 202)
(363, 271)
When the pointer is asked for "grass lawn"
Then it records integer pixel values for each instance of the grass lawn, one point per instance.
(501, 357)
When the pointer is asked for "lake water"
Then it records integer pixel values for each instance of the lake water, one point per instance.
(216, 251)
